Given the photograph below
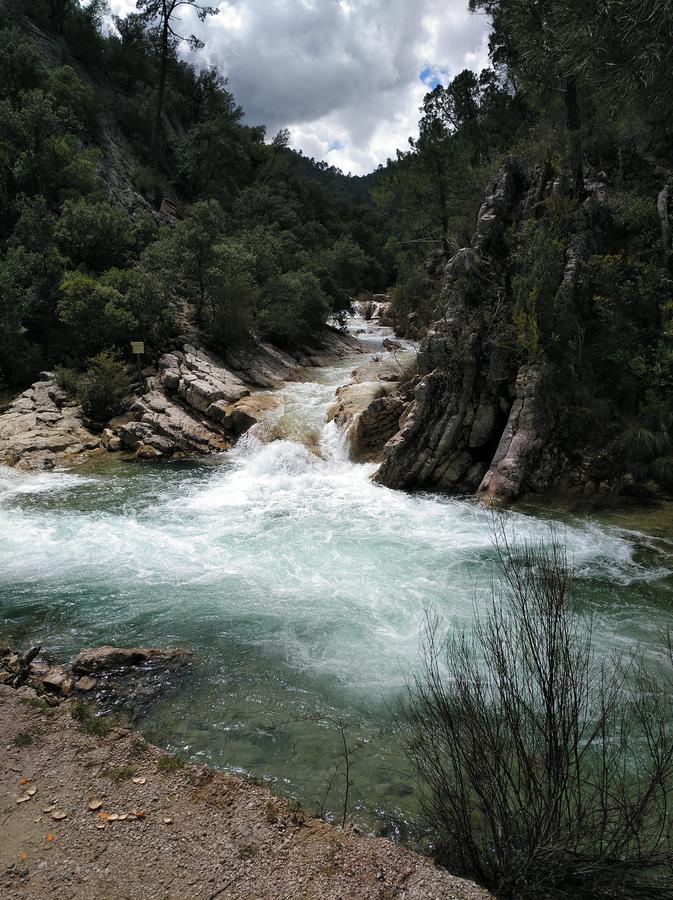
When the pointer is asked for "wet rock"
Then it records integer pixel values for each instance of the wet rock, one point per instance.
(56, 680)
(240, 417)
(368, 407)
(86, 683)
(104, 659)
(130, 679)
(110, 441)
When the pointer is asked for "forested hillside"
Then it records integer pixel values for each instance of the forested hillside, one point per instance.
(138, 204)
(121, 219)
(551, 350)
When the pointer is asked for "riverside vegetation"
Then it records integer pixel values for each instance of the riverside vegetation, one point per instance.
(527, 236)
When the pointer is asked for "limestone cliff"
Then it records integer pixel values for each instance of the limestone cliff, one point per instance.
(481, 419)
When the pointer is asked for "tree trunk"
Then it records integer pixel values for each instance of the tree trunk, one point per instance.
(161, 89)
(158, 110)
(574, 136)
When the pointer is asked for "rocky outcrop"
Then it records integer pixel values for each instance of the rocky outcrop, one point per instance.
(367, 407)
(188, 408)
(461, 401)
(200, 403)
(194, 402)
(478, 420)
(43, 427)
(199, 379)
(113, 677)
(165, 428)
(375, 426)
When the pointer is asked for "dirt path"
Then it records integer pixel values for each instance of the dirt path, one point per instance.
(182, 832)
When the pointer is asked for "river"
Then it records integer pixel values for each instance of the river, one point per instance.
(300, 584)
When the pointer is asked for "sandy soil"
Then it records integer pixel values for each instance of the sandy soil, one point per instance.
(182, 832)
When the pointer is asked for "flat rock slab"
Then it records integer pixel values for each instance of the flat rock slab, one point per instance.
(118, 826)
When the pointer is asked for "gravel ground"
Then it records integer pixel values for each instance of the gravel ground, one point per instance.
(182, 832)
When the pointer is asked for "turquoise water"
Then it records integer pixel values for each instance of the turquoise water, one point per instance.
(301, 586)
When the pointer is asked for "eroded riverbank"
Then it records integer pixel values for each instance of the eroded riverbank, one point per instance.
(111, 816)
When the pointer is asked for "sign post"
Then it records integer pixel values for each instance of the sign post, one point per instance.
(138, 347)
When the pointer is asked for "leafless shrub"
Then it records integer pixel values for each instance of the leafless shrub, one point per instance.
(545, 771)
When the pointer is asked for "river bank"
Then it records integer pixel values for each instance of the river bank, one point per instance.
(111, 816)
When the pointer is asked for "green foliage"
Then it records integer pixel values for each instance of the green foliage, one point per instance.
(662, 470)
(292, 304)
(94, 233)
(85, 714)
(169, 765)
(232, 294)
(124, 773)
(642, 445)
(539, 319)
(94, 313)
(104, 386)
(23, 739)
(67, 379)
(413, 294)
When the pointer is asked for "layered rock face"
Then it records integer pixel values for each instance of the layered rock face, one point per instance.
(43, 427)
(195, 402)
(199, 403)
(478, 420)
(184, 408)
(369, 407)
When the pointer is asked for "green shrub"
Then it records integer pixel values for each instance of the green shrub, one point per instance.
(641, 445)
(170, 764)
(89, 722)
(67, 379)
(104, 386)
(544, 771)
(662, 469)
(123, 774)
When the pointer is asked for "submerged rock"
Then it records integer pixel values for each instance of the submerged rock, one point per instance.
(127, 679)
(104, 659)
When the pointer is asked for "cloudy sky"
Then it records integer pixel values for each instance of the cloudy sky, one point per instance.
(346, 77)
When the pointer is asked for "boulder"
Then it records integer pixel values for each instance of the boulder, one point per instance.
(375, 426)
(56, 680)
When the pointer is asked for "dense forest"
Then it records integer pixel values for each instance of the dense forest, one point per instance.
(136, 204)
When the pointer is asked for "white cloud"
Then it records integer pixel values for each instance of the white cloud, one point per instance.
(342, 75)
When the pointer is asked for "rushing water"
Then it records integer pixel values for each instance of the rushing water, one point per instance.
(301, 585)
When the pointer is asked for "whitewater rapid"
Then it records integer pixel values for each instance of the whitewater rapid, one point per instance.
(301, 585)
